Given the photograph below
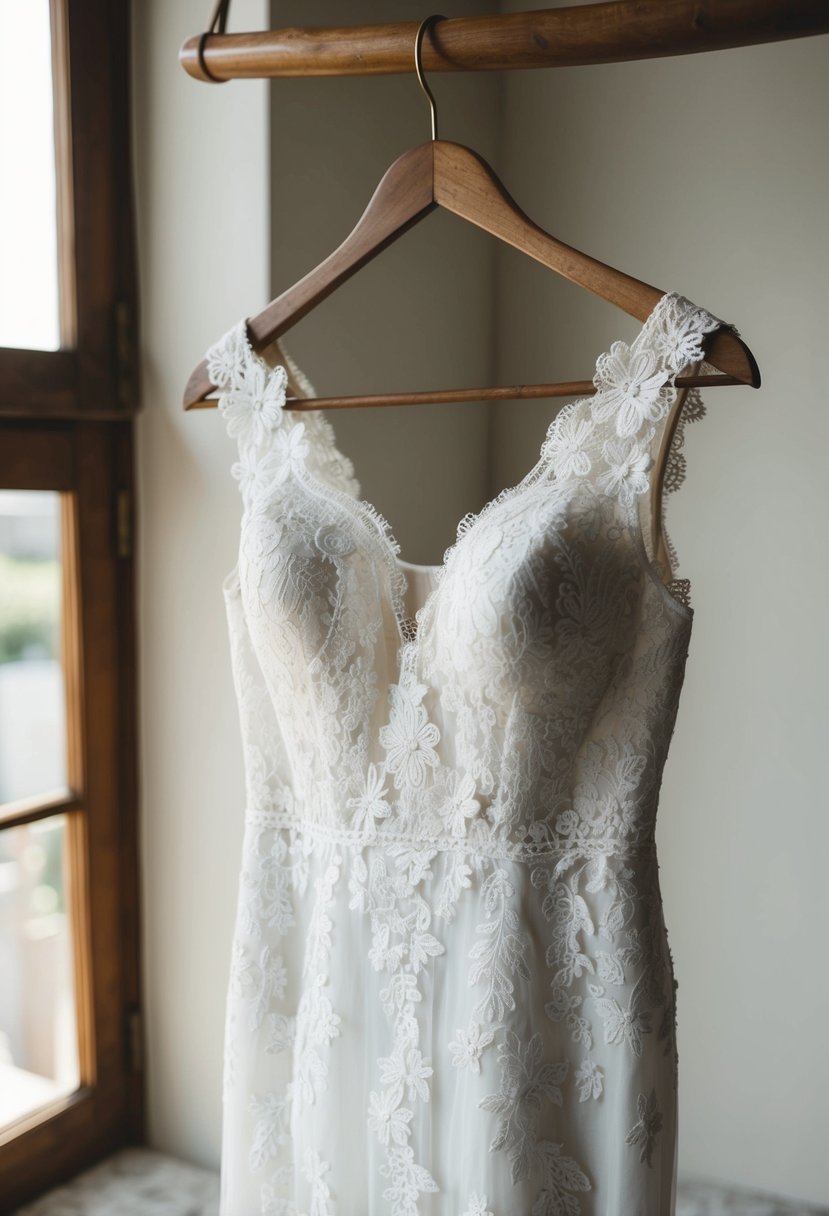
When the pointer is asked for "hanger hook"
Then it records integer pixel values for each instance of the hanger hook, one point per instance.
(424, 25)
(218, 25)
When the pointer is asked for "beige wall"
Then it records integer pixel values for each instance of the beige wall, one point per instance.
(706, 175)
(202, 179)
(709, 175)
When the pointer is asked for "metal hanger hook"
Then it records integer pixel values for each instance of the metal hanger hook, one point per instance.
(424, 25)
(218, 25)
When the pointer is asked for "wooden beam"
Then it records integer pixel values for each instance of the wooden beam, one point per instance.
(565, 37)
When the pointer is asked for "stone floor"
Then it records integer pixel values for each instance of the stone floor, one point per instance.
(139, 1182)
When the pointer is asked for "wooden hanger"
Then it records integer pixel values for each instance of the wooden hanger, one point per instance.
(449, 175)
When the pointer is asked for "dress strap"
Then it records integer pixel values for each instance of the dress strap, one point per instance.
(273, 442)
(614, 440)
(636, 393)
(251, 392)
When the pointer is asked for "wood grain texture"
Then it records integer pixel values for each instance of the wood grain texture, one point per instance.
(449, 175)
(564, 37)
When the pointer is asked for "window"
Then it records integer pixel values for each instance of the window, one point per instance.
(70, 1034)
(29, 309)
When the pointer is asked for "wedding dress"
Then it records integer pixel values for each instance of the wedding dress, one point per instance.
(451, 989)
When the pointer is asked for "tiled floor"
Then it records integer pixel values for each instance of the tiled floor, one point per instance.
(139, 1182)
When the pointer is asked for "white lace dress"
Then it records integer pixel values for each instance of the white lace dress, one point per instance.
(451, 991)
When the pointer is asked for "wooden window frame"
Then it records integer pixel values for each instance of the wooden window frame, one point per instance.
(93, 374)
(66, 425)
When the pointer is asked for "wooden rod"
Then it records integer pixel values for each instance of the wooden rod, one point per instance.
(565, 37)
(454, 396)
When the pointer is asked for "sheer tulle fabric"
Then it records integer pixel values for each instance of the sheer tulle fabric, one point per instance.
(451, 991)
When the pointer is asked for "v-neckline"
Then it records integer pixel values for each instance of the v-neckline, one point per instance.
(377, 526)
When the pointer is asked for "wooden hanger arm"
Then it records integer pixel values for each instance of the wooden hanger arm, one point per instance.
(451, 176)
(402, 198)
(467, 186)
(729, 354)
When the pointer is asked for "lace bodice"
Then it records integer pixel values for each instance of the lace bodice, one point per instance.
(449, 905)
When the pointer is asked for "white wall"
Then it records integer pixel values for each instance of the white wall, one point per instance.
(203, 185)
(709, 175)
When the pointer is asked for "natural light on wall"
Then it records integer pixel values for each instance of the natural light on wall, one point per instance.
(28, 216)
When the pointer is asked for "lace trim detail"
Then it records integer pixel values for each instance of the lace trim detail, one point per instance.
(607, 435)
(231, 362)
(348, 498)
(676, 468)
(680, 589)
(506, 850)
(634, 388)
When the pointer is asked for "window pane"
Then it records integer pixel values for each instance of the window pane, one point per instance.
(28, 215)
(38, 1032)
(32, 710)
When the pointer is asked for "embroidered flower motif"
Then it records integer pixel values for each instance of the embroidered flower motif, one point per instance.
(310, 1077)
(566, 446)
(274, 1204)
(567, 823)
(281, 1033)
(477, 1205)
(629, 383)
(679, 331)
(624, 1025)
(590, 1080)
(257, 475)
(409, 1070)
(408, 1180)
(647, 1128)
(486, 571)
(271, 1113)
(628, 463)
(370, 805)
(315, 1169)
(598, 872)
(413, 860)
(460, 805)
(562, 1179)
(226, 359)
(409, 738)
(422, 947)
(291, 447)
(525, 1082)
(499, 955)
(254, 408)
(333, 541)
(458, 878)
(387, 1118)
(323, 1024)
(384, 955)
(259, 982)
(469, 1045)
(402, 991)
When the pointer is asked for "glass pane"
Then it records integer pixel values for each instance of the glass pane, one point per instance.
(28, 214)
(32, 709)
(38, 1032)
